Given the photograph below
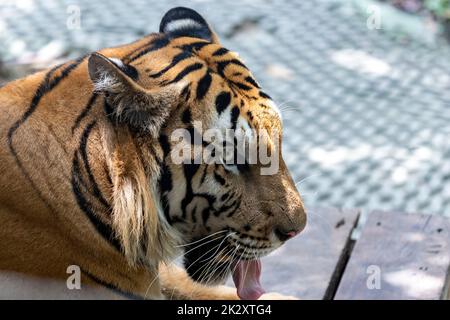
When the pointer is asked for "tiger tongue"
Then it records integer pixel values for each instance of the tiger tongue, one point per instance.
(246, 279)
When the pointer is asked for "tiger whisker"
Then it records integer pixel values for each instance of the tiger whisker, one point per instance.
(173, 261)
(230, 255)
(240, 258)
(304, 179)
(187, 244)
(205, 272)
(228, 235)
(290, 110)
(246, 268)
(209, 241)
(284, 103)
(217, 246)
(309, 194)
(210, 273)
(231, 260)
(205, 267)
(286, 108)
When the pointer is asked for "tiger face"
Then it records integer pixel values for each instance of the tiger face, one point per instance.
(229, 213)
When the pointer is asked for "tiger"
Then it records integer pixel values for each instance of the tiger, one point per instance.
(88, 176)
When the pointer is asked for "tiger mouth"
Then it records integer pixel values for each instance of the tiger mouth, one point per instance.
(211, 261)
(250, 252)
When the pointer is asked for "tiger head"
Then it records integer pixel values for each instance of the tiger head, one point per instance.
(200, 101)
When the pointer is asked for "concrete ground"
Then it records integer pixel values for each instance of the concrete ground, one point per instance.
(366, 115)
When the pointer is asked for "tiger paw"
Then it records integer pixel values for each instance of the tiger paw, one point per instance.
(276, 296)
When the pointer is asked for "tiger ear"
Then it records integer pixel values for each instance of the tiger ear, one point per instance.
(185, 22)
(128, 102)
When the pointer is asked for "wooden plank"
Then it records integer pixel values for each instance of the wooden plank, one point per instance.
(17, 286)
(309, 266)
(410, 254)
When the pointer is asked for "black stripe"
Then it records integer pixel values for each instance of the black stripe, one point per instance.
(83, 151)
(186, 93)
(186, 117)
(178, 58)
(154, 44)
(203, 85)
(220, 52)
(242, 86)
(205, 171)
(189, 172)
(112, 287)
(252, 81)
(219, 178)
(165, 186)
(105, 230)
(262, 94)
(226, 208)
(223, 64)
(205, 215)
(193, 216)
(85, 111)
(225, 196)
(165, 145)
(130, 71)
(127, 56)
(234, 209)
(165, 180)
(208, 197)
(222, 101)
(190, 68)
(234, 117)
(46, 86)
(195, 46)
(109, 111)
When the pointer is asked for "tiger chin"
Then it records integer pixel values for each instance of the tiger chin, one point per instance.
(88, 176)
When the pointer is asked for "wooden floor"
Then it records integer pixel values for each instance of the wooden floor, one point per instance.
(397, 256)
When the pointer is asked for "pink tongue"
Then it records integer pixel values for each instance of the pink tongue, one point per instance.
(246, 279)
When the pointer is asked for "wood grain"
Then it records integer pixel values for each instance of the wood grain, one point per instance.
(411, 251)
(308, 266)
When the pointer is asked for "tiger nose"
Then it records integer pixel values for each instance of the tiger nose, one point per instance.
(285, 235)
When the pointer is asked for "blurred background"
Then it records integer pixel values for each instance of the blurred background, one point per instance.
(364, 85)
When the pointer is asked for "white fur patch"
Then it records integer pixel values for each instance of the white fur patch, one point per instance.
(117, 62)
(275, 108)
(182, 24)
(105, 82)
(166, 229)
(224, 119)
